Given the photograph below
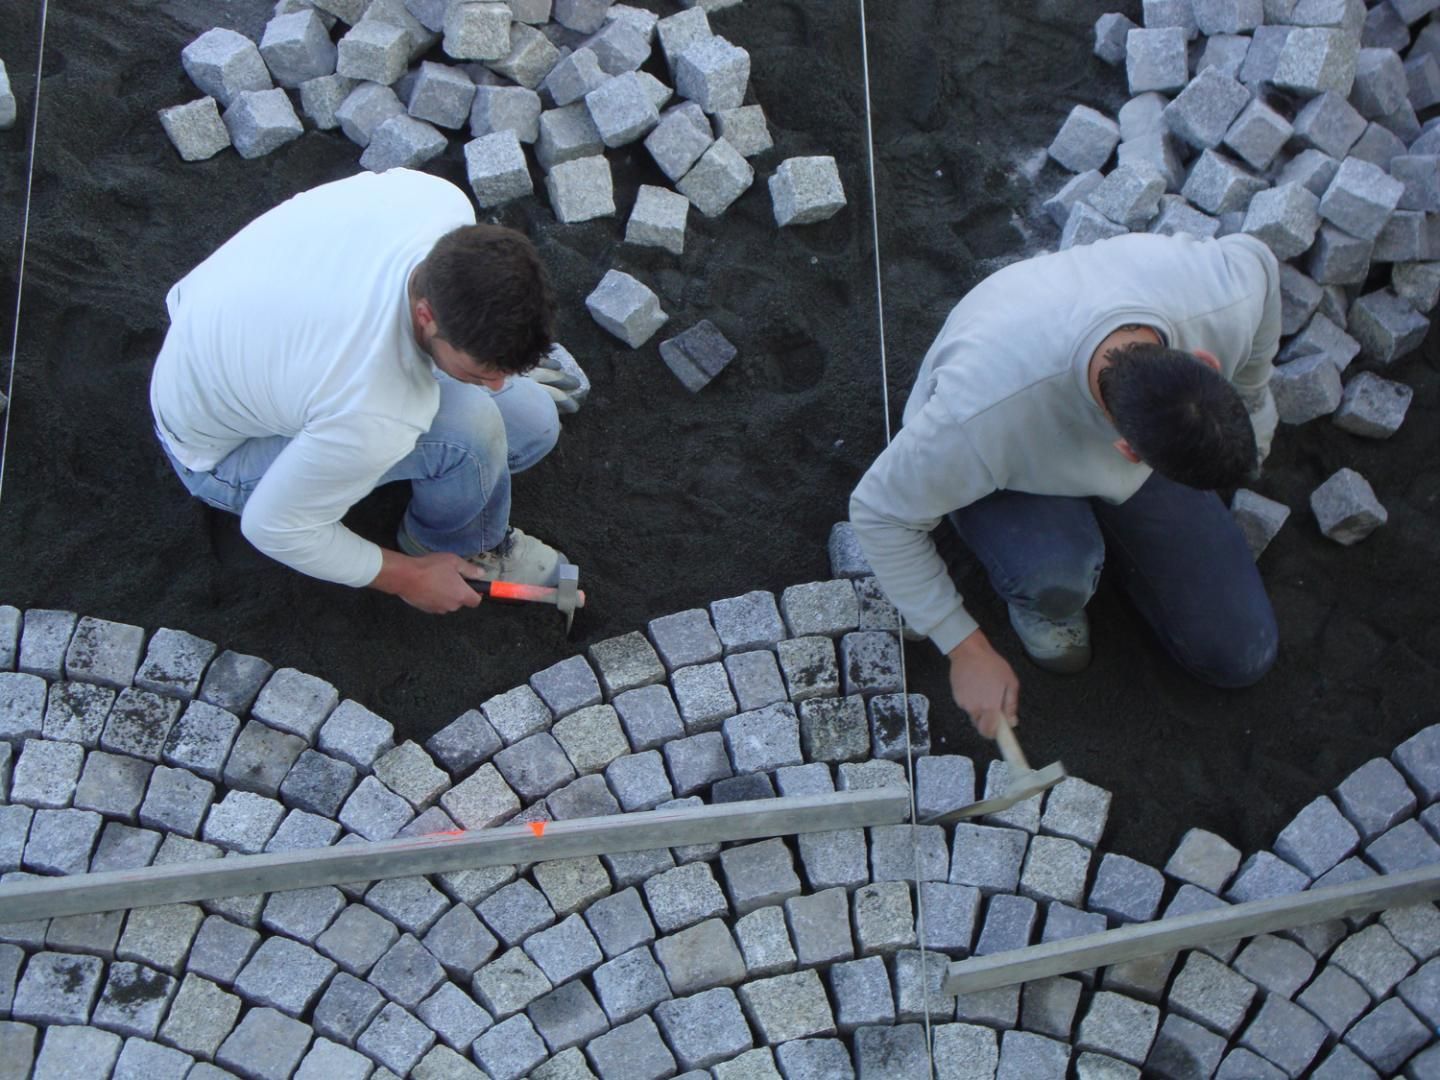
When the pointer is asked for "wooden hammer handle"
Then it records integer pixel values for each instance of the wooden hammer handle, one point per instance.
(1010, 748)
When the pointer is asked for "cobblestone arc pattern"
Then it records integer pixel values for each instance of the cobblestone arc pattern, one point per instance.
(804, 957)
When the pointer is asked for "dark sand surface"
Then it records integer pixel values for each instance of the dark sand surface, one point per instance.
(669, 501)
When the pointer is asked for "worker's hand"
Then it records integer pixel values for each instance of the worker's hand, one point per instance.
(436, 584)
(984, 684)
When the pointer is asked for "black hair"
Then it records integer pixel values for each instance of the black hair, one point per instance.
(1180, 416)
(488, 290)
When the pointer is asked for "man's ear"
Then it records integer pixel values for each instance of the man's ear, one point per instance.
(1123, 445)
(424, 315)
(1209, 359)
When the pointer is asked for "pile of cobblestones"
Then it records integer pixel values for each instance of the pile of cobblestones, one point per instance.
(1294, 121)
(814, 956)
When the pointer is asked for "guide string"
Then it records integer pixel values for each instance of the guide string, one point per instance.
(925, 958)
(24, 243)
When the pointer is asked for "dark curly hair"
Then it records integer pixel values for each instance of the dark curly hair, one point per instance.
(487, 288)
(1179, 415)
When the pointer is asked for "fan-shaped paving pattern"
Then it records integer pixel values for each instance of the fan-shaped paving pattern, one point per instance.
(813, 956)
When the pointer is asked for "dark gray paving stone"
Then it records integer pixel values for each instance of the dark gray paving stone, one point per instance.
(1387, 1035)
(464, 743)
(564, 687)
(201, 739)
(634, 1050)
(1284, 1034)
(891, 1053)
(139, 723)
(76, 712)
(261, 758)
(174, 664)
(233, 680)
(104, 652)
(346, 1009)
(510, 1049)
(57, 988)
(134, 1001)
(705, 1028)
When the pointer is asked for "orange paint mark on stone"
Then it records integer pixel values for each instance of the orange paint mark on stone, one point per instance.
(538, 827)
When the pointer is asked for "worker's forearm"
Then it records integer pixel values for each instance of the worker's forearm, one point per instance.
(398, 573)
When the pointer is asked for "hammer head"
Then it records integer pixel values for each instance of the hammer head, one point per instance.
(567, 593)
(1023, 786)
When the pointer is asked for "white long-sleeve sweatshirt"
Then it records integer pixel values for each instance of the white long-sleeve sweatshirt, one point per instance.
(1002, 400)
(300, 326)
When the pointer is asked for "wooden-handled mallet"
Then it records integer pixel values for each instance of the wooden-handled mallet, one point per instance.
(1025, 782)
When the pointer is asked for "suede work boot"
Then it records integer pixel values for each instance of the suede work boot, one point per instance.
(518, 558)
(1061, 646)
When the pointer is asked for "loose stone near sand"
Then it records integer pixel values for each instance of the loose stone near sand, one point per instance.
(566, 79)
(817, 955)
(1298, 126)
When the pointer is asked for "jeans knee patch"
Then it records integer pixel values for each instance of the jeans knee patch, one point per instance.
(1059, 602)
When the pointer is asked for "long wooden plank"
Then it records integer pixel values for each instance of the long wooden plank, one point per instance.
(1190, 931)
(242, 875)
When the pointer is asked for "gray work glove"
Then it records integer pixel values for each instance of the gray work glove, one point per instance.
(562, 379)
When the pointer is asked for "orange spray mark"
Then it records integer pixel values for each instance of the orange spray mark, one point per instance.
(538, 827)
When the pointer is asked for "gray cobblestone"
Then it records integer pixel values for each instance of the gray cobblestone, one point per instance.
(870, 662)
(122, 847)
(649, 716)
(508, 983)
(221, 949)
(1023, 815)
(200, 1017)
(620, 922)
(827, 608)
(174, 663)
(1144, 979)
(835, 729)
(301, 830)
(587, 796)
(1204, 859)
(860, 990)
(1009, 924)
(1418, 757)
(1118, 1026)
(1184, 1048)
(355, 734)
(407, 973)
(134, 1000)
(1387, 1035)
(46, 773)
(1077, 810)
(296, 702)
(1375, 797)
(346, 1008)
(1030, 1056)
(681, 897)
(630, 985)
(1048, 1006)
(10, 620)
(57, 988)
(481, 800)
(396, 1040)
(634, 1050)
(764, 942)
(44, 637)
(763, 739)
(1209, 993)
(705, 1028)
(357, 938)
(685, 638)
(993, 1008)
(1264, 875)
(1275, 964)
(942, 783)
(266, 1045)
(697, 761)
(535, 766)
(1374, 958)
(987, 857)
(903, 853)
(464, 742)
(410, 772)
(284, 975)
(104, 652)
(563, 687)
(1126, 890)
(625, 663)
(1336, 998)
(897, 1053)
(1056, 868)
(564, 950)
(759, 874)
(138, 723)
(242, 821)
(141, 1059)
(1407, 846)
(233, 680)
(76, 712)
(201, 739)
(884, 918)
(374, 811)
(591, 738)
(261, 758)
(177, 801)
(809, 667)
(328, 1060)
(412, 903)
(516, 911)
(1284, 1034)
(791, 1006)
(700, 957)
(302, 913)
(703, 695)
(64, 1047)
(460, 942)
(571, 885)
(820, 926)
(61, 841)
(889, 716)
(318, 783)
(453, 1015)
(567, 1016)
(751, 621)
(22, 705)
(755, 679)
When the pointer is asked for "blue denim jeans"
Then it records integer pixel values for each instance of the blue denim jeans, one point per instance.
(1176, 552)
(459, 471)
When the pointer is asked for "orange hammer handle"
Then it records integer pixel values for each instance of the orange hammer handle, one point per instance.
(510, 590)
